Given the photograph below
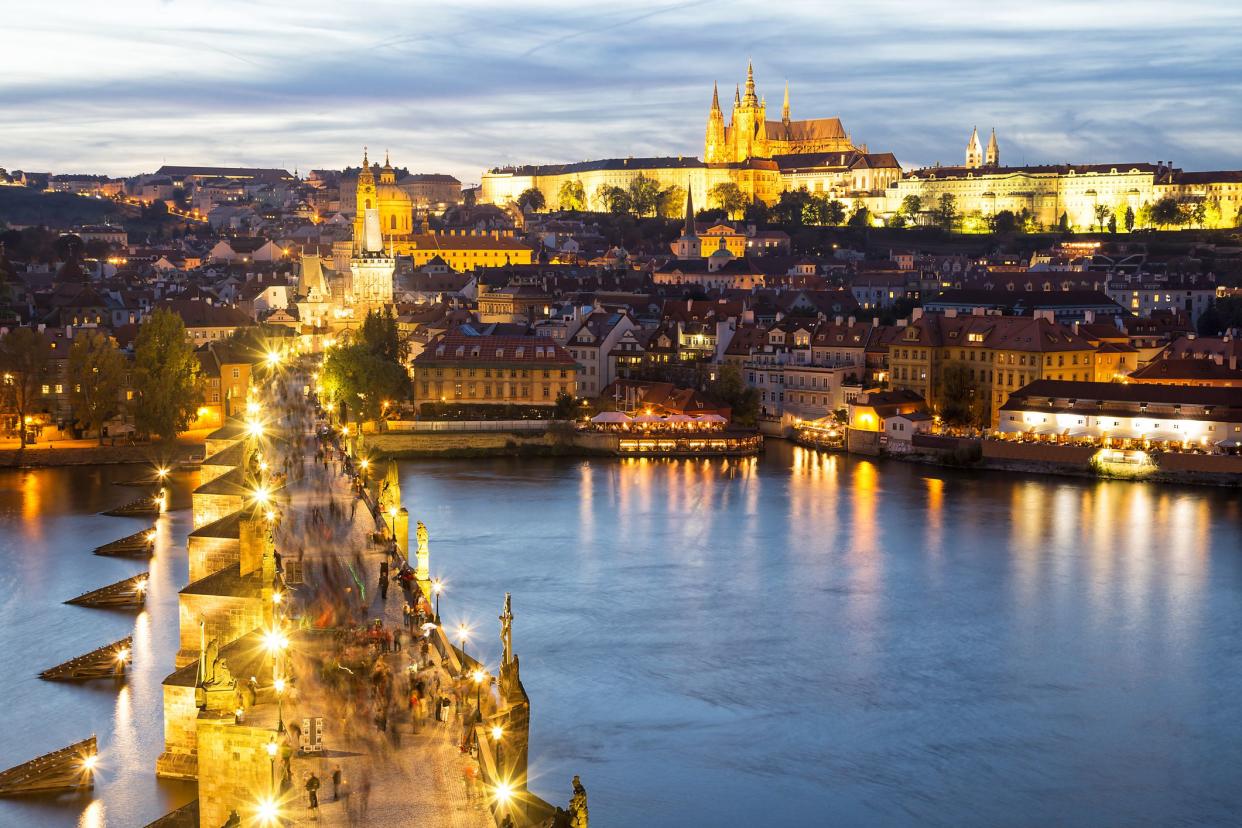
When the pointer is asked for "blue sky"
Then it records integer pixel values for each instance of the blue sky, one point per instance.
(124, 86)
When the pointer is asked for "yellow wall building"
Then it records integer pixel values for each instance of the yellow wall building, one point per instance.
(493, 370)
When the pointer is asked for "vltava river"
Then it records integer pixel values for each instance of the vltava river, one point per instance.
(799, 639)
(809, 639)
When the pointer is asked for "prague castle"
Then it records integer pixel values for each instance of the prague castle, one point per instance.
(767, 157)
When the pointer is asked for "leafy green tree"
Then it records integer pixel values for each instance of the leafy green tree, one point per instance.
(945, 214)
(910, 208)
(612, 199)
(790, 206)
(1102, 212)
(729, 388)
(1167, 213)
(531, 199)
(1129, 219)
(644, 194)
(380, 336)
(165, 376)
(96, 377)
(861, 217)
(958, 396)
(728, 197)
(357, 377)
(1112, 223)
(566, 407)
(1196, 213)
(672, 202)
(757, 212)
(834, 213)
(572, 195)
(1003, 222)
(23, 361)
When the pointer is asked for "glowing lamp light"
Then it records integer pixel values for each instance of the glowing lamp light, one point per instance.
(392, 511)
(268, 811)
(254, 428)
(497, 733)
(478, 676)
(261, 494)
(437, 586)
(162, 472)
(504, 793)
(150, 536)
(122, 655)
(271, 749)
(273, 358)
(252, 407)
(141, 586)
(277, 597)
(279, 685)
(89, 762)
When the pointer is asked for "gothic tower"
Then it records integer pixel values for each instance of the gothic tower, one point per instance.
(785, 109)
(749, 123)
(714, 151)
(689, 246)
(974, 151)
(992, 159)
(371, 267)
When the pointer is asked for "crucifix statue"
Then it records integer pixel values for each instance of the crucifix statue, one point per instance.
(506, 630)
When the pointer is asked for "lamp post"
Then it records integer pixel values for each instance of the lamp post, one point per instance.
(463, 632)
(279, 684)
(478, 676)
(271, 755)
(498, 733)
(392, 515)
(437, 586)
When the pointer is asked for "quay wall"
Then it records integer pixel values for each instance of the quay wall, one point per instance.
(44, 455)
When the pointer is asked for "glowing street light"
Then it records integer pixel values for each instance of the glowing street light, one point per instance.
(273, 359)
(437, 586)
(498, 734)
(268, 811)
(463, 632)
(253, 408)
(161, 472)
(271, 749)
(89, 762)
(478, 676)
(277, 597)
(279, 686)
(261, 495)
(254, 428)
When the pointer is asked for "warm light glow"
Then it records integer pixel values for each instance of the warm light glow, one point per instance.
(252, 408)
(345, 430)
(268, 811)
(89, 762)
(364, 464)
(271, 749)
(151, 535)
(273, 358)
(261, 494)
(162, 472)
(277, 597)
(141, 586)
(122, 655)
(275, 640)
(497, 732)
(478, 676)
(279, 686)
(392, 511)
(504, 793)
(437, 586)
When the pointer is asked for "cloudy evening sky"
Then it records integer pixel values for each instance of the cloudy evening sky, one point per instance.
(123, 86)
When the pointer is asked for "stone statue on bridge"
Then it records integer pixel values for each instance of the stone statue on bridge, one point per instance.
(578, 805)
(506, 630)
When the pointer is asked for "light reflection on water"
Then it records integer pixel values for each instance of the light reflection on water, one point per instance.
(818, 639)
(49, 523)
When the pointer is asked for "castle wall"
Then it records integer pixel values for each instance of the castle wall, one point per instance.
(233, 765)
(179, 759)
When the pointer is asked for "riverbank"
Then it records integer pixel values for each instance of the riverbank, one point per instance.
(90, 453)
(554, 442)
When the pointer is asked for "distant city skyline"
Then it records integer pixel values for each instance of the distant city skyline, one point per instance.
(123, 88)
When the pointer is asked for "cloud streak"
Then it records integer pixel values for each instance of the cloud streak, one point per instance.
(459, 87)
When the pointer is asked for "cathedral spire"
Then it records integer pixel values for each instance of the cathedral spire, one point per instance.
(992, 159)
(715, 98)
(750, 83)
(365, 173)
(785, 106)
(737, 96)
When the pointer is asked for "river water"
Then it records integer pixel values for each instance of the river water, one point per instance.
(798, 639)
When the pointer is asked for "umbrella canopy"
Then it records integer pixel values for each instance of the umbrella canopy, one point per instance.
(610, 417)
(647, 418)
(713, 418)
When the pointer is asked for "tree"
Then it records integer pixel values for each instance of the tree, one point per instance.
(644, 195)
(1063, 223)
(672, 202)
(730, 389)
(789, 207)
(572, 195)
(1112, 224)
(910, 208)
(1003, 222)
(355, 375)
(612, 199)
(757, 213)
(958, 396)
(834, 213)
(1167, 212)
(1129, 219)
(23, 360)
(380, 336)
(531, 199)
(861, 217)
(728, 197)
(96, 378)
(945, 214)
(566, 407)
(165, 376)
(1102, 212)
